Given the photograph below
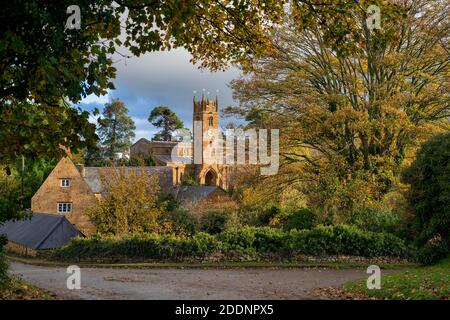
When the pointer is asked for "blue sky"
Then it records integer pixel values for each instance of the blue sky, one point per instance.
(163, 78)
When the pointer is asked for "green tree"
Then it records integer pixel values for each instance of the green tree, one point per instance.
(429, 194)
(116, 128)
(35, 130)
(130, 204)
(348, 118)
(164, 118)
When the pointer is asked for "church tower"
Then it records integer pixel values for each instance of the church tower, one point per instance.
(206, 134)
(206, 126)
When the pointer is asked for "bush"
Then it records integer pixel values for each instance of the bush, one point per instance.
(300, 219)
(144, 246)
(376, 220)
(267, 215)
(214, 222)
(3, 262)
(182, 222)
(433, 252)
(343, 239)
(429, 194)
(259, 241)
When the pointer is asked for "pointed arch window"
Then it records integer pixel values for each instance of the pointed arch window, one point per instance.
(210, 121)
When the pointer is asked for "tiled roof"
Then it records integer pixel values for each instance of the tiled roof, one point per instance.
(42, 231)
(169, 159)
(194, 193)
(93, 175)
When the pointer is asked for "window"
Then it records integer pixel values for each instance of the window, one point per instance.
(64, 207)
(210, 121)
(65, 183)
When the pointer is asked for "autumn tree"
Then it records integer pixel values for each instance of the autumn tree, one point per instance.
(350, 114)
(130, 203)
(116, 128)
(167, 120)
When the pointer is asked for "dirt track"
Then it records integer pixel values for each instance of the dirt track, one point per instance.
(186, 283)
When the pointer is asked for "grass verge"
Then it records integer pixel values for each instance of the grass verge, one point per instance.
(16, 289)
(419, 283)
(212, 265)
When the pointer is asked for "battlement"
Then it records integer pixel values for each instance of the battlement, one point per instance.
(206, 104)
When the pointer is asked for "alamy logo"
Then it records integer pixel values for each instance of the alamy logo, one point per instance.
(74, 20)
(214, 147)
(74, 280)
(374, 281)
(373, 20)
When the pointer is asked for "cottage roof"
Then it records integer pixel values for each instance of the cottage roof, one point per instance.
(93, 175)
(41, 231)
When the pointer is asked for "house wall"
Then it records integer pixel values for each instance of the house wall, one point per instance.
(20, 249)
(79, 194)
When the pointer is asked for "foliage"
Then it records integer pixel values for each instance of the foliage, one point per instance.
(49, 61)
(12, 201)
(268, 214)
(432, 282)
(351, 110)
(3, 263)
(116, 128)
(429, 194)
(214, 222)
(433, 251)
(300, 219)
(168, 200)
(376, 220)
(16, 289)
(10, 204)
(144, 246)
(130, 204)
(181, 221)
(38, 130)
(164, 118)
(259, 241)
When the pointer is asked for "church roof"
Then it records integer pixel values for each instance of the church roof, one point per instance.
(93, 175)
(42, 231)
(194, 193)
(167, 158)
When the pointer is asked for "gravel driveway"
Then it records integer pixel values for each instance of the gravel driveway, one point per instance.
(104, 283)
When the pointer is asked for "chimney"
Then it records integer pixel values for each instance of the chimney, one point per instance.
(81, 169)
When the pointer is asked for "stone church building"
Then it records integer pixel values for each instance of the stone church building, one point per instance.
(190, 160)
(71, 189)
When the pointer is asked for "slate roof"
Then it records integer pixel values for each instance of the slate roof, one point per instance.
(194, 193)
(93, 175)
(169, 159)
(42, 231)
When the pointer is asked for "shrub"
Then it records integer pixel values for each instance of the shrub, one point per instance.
(268, 214)
(237, 239)
(300, 219)
(344, 239)
(375, 219)
(258, 241)
(182, 222)
(3, 262)
(429, 194)
(214, 222)
(433, 251)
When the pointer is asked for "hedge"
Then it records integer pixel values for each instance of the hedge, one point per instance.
(321, 240)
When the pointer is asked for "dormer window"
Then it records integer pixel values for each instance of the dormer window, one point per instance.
(64, 183)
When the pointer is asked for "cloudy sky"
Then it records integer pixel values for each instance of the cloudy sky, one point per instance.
(163, 78)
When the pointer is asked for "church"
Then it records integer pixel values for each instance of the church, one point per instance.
(195, 179)
(191, 161)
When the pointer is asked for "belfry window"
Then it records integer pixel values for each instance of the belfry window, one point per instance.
(210, 121)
